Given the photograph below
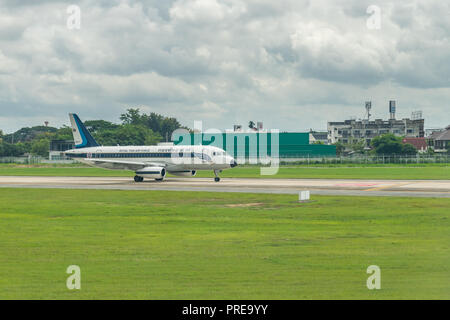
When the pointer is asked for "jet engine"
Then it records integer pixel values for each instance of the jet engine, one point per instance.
(157, 173)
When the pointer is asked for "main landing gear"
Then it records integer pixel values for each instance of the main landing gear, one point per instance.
(138, 179)
(216, 173)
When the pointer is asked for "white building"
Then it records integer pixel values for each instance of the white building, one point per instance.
(352, 131)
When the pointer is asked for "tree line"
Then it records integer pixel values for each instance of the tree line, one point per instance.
(386, 144)
(136, 128)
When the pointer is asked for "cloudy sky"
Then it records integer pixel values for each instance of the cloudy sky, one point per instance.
(292, 64)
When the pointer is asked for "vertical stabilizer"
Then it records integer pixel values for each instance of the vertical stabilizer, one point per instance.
(81, 135)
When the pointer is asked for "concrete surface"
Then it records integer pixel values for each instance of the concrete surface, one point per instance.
(404, 188)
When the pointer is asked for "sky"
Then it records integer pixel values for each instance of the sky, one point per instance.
(293, 64)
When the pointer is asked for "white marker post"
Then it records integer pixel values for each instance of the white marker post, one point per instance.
(303, 196)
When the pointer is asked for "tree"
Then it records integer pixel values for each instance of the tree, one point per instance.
(163, 126)
(152, 138)
(132, 116)
(1, 136)
(168, 126)
(154, 121)
(40, 147)
(387, 144)
(128, 134)
(12, 150)
(106, 137)
(340, 148)
(358, 146)
(409, 149)
(99, 125)
(64, 133)
(131, 135)
(29, 134)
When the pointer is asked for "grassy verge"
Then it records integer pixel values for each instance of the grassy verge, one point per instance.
(193, 245)
(321, 165)
(300, 172)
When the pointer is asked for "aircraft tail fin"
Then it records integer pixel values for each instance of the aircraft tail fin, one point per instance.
(81, 135)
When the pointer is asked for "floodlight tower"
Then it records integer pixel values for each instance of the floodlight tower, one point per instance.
(392, 109)
(368, 109)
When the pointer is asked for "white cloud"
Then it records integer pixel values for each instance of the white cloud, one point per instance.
(293, 64)
(206, 11)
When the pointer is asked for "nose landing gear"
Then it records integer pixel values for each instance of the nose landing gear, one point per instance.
(216, 173)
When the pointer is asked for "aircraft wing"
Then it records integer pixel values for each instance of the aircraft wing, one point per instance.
(125, 165)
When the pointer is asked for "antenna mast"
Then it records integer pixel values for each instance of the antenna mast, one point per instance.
(368, 109)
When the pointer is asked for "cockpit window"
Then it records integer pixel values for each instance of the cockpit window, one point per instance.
(219, 153)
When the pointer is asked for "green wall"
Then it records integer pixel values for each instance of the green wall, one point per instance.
(291, 144)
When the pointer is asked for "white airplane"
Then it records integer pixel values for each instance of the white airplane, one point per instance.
(147, 161)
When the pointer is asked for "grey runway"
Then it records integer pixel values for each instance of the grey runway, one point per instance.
(400, 188)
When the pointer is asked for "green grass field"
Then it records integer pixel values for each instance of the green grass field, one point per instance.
(193, 245)
(313, 172)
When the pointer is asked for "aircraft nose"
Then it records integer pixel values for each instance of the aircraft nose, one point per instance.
(233, 163)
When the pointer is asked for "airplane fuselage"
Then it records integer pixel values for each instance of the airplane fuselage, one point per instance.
(173, 158)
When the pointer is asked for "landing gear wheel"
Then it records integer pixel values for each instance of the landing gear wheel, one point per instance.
(138, 179)
(159, 179)
(216, 173)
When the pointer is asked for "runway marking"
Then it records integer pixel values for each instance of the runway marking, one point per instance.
(388, 186)
(356, 184)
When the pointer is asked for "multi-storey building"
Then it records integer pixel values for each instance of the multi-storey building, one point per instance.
(351, 131)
